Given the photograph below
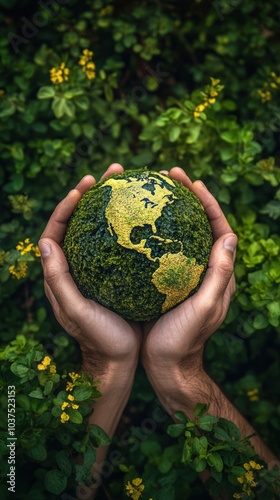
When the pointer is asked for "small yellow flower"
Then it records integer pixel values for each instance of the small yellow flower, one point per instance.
(212, 100)
(75, 407)
(59, 74)
(20, 271)
(74, 376)
(46, 361)
(70, 397)
(64, 405)
(69, 386)
(253, 394)
(134, 488)
(237, 495)
(41, 367)
(52, 369)
(254, 465)
(196, 114)
(36, 251)
(87, 64)
(64, 417)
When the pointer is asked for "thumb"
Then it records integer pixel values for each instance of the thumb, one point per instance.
(57, 275)
(220, 269)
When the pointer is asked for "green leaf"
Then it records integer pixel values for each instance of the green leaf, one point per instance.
(179, 415)
(55, 481)
(99, 436)
(48, 387)
(206, 422)
(230, 136)
(19, 370)
(37, 393)
(46, 92)
(82, 392)
(200, 409)
(175, 430)
(238, 471)
(38, 452)
(17, 151)
(231, 429)
(62, 107)
(221, 434)
(215, 460)
(75, 416)
(174, 133)
(22, 401)
(187, 453)
(199, 464)
(63, 462)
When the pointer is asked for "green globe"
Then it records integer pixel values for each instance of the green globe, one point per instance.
(138, 243)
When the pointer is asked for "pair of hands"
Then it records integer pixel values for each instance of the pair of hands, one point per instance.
(172, 343)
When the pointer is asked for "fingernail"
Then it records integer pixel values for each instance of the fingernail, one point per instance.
(230, 243)
(203, 185)
(44, 248)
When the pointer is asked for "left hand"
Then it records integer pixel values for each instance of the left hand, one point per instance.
(176, 341)
(106, 340)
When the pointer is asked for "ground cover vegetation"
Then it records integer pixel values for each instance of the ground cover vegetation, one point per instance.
(142, 83)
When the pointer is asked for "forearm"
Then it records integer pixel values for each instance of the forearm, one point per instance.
(115, 387)
(190, 389)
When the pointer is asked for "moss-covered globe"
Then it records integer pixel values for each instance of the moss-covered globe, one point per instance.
(138, 243)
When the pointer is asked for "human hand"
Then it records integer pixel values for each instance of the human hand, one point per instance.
(105, 338)
(174, 343)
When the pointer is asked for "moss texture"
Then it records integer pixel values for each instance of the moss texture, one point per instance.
(138, 243)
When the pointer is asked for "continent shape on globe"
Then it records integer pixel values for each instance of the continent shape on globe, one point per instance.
(132, 205)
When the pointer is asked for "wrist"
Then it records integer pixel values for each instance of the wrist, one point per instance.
(180, 388)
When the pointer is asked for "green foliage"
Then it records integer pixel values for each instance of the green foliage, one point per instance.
(149, 101)
(44, 421)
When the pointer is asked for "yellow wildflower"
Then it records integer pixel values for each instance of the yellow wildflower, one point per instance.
(64, 405)
(64, 417)
(52, 369)
(69, 386)
(20, 271)
(46, 361)
(36, 251)
(59, 74)
(253, 394)
(254, 465)
(237, 495)
(87, 64)
(209, 96)
(74, 376)
(135, 488)
(75, 407)
(70, 397)
(40, 366)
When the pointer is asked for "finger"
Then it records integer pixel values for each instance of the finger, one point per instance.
(219, 273)
(56, 227)
(217, 219)
(59, 282)
(180, 175)
(164, 172)
(114, 168)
